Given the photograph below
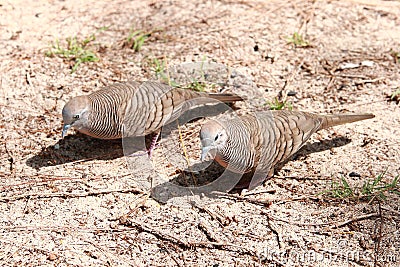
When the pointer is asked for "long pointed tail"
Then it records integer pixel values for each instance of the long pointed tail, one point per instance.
(227, 98)
(333, 120)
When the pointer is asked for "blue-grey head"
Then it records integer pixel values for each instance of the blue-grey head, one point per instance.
(75, 114)
(213, 138)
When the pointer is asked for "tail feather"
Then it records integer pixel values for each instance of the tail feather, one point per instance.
(333, 120)
(227, 98)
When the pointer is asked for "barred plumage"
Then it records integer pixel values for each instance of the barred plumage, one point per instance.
(258, 142)
(131, 109)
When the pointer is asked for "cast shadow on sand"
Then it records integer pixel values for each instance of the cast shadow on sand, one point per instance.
(74, 148)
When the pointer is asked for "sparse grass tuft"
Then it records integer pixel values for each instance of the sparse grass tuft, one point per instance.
(395, 96)
(298, 40)
(277, 104)
(340, 190)
(158, 66)
(197, 84)
(395, 55)
(160, 69)
(377, 188)
(76, 50)
(374, 189)
(200, 84)
(136, 39)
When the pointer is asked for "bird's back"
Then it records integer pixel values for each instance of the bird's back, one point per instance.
(290, 130)
(264, 139)
(108, 106)
(138, 108)
(156, 104)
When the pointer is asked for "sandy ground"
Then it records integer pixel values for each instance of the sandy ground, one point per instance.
(81, 202)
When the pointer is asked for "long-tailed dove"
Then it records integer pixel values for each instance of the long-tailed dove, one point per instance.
(255, 144)
(132, 109)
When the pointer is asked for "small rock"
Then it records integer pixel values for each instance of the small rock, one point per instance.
(52, 256)
(349, 65)
(367, 63)
(354, 174)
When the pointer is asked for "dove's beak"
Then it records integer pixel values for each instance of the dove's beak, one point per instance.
(65, 130)
(204, 152)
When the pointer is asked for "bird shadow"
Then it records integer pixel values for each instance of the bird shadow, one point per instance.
(80, 147)
(320, 146)
(209, 177)
(74, 148)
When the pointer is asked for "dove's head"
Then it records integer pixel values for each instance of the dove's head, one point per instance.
(75, 114)
(213, 136)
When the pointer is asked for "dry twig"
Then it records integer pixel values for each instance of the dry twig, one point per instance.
(356, 219)
(223, 220)
(69, 195)
(191, 245)
(265, 203)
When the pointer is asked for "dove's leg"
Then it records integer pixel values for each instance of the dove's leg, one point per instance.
(252, 179)
(243, 183)
(153, 145)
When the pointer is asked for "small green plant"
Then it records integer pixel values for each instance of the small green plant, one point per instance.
(76, 50)
(298, 40)
(277, 104)
(158, 66)
(371, 189)
(198, 86)
(340, 189)
(395, 95)
(160, 69)
(377, 189)
(395, 55)
(136, 39)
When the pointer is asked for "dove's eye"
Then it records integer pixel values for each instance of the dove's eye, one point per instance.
(76, 116)
(216, 137)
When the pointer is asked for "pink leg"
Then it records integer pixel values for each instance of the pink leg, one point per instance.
(153, 144)
(149, 151)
